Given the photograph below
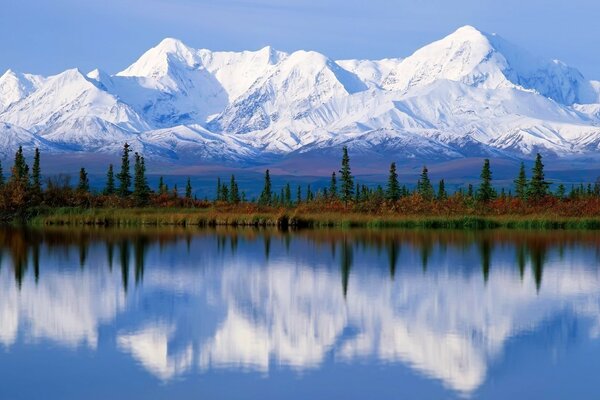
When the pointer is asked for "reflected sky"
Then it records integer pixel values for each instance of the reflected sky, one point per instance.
(433, 314)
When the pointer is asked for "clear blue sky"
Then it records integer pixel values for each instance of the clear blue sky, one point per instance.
(48, 36)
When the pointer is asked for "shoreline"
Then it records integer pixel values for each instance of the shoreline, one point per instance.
(293, 218)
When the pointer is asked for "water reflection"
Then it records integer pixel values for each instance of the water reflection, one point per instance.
(447, 304)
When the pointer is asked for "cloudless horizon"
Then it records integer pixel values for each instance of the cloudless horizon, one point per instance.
(48, 37)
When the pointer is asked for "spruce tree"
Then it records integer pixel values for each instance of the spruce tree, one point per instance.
(538, 187)
(333, 186)
(36, 175)
(393, 186)
(234, 193)
(470, 191)
(561, 191)
(266, 195)
(188, 189)
(486, 191)
(162, 189)
(424, 186)
(109, 190)
(298, 195)
(442, 194)
(347, 188)
(141, 191)
(124, 176)
(218, 196)
(521, 183)
(309, 194)
(20, 171)
(83, 186)
(288, 195)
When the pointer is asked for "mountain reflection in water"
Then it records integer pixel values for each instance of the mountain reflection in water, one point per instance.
(446, 304)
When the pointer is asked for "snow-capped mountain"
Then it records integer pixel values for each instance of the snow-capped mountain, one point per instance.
(468, 94)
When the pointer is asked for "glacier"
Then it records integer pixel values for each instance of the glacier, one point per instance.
(470, 94)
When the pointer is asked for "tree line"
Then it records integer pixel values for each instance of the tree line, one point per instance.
(24, 189)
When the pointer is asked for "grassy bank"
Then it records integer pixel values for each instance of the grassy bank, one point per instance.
(301, 219)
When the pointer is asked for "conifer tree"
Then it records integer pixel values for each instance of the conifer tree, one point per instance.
(124, 176)
(393, 186)
(288, 195)
(83, 186)
(219, 191)
(234, 193)
(188, 189)
(486, 191)
(538, 187)
(162, 188)
(561, 191)
(333, 186)
(470, 191)
(20, 171)
(347, 188)
(141, 191)
(36, 173)
(442, 194)
(224, 193)
(266, 195)
(521, 183)
(109, 190)
(309, 194)
(424, 186)
(298, 195)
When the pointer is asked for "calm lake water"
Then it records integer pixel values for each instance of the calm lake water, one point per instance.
(259, 314)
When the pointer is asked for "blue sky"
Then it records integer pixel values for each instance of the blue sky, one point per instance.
(48, 36)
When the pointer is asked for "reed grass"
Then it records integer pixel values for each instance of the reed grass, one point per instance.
(293, 218)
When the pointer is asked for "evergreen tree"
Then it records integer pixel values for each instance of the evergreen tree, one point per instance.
(218, 196)
(486, 191)
(561, 191)
(162, 188)
(538, 187)
(188, 189)
(141, 190)
(234, 193)
(424, 186)
(309, 194)
(288, 195)
(298, 195)
(110, 181)
(393, 186)
(442, 194)
(83, 185)
(347, 188)
(333, 186)
(36, 174)
(20, 171)
(470, 191)
(224, 193)
(124, 176)
(521, 183)
(267, 194)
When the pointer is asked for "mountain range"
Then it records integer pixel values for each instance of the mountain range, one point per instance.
(470, 94)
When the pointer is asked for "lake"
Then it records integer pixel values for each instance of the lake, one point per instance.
(311, 314)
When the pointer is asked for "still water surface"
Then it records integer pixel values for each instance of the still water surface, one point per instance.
(231, 314)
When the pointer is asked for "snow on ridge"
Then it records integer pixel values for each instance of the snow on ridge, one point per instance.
(249, 104)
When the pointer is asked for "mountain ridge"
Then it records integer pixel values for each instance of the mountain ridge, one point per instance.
(470, 94)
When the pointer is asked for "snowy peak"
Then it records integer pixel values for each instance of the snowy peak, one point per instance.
(157, 61)
(16, 86)
(488, 61)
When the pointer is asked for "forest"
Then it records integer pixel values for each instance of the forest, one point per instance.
(27, 195)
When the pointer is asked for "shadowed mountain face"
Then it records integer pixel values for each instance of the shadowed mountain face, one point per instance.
(437, 314)
(470, 94)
